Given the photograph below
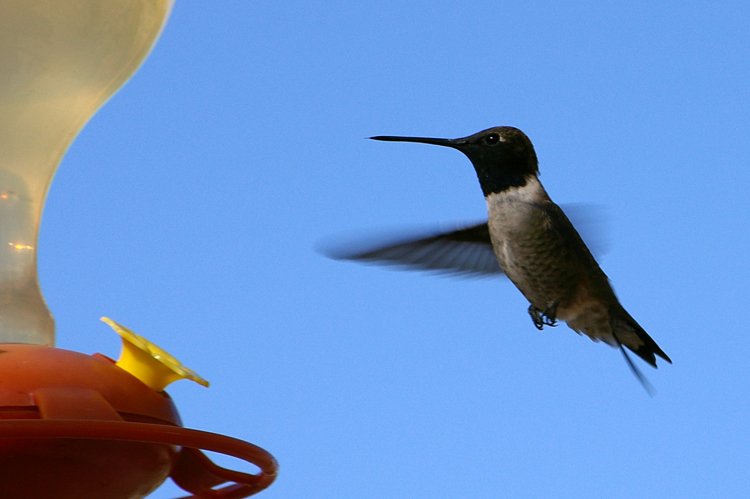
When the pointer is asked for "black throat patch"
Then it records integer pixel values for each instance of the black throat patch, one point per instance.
(493, 183)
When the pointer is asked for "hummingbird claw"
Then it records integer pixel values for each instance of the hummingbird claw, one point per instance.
(544, 317)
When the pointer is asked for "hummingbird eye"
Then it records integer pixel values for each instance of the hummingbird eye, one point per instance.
(492, 139)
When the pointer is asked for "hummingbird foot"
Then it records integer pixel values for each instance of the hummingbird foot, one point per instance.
(544, 317)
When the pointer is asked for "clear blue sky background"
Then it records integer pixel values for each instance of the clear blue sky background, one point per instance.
(189, 208)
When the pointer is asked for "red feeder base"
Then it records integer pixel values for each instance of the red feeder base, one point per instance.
(77, 426)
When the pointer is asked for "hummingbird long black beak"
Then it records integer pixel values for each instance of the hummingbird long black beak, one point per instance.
(502, 156)
(454, 143)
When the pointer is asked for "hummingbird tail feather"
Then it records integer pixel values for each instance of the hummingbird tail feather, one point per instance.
(629, 333)
(638, 374)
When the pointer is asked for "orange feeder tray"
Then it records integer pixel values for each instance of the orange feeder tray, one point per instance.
(85, 427)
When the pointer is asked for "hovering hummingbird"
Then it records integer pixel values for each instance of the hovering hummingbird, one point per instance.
(534, 243)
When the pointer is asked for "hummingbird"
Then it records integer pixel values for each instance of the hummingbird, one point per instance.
(529, 239)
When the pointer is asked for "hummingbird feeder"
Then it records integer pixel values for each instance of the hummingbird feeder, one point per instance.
(74, 425)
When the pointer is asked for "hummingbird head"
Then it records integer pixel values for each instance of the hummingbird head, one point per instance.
(503, 156)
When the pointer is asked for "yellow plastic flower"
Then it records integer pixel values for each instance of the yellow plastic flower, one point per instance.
(149, 363)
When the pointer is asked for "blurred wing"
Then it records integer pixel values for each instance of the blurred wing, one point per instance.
(592, 224)
(465, 252)
(462, 252)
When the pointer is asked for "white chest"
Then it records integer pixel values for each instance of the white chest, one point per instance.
(510, 211)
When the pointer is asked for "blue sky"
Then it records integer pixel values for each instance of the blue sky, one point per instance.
(189, 207)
